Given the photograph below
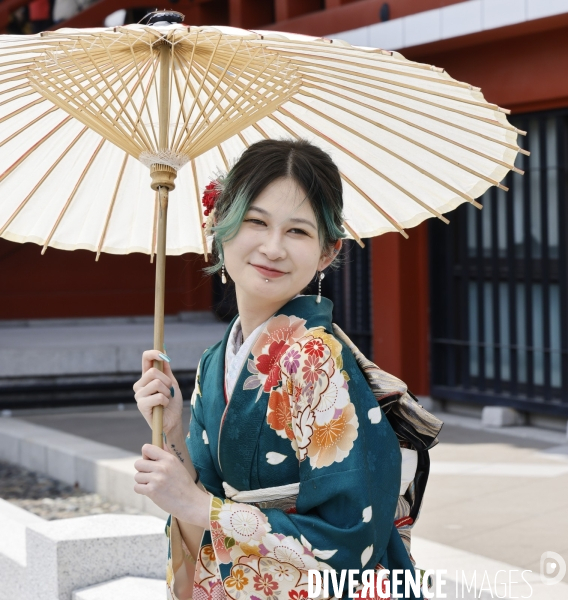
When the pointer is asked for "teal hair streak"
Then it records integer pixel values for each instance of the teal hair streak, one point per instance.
(228, 226)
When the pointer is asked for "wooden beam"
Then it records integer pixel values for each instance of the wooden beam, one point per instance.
(345, 16)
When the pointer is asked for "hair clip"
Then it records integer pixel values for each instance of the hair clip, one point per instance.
(210, 195)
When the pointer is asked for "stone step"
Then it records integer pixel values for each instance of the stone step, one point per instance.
(95, 467)
(125, 588)
(49, 560)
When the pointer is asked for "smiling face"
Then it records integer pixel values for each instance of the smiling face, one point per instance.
(278, 241)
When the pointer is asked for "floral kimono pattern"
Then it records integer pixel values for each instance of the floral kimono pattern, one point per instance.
(301, 412)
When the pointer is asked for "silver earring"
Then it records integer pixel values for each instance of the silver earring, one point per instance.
(320, 276)
(223, 278)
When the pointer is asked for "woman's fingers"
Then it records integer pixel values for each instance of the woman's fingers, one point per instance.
(168, 372)
(149, 356)
(143, 465)
(155, 386)
(154, 453)
(151, 374)
(143, 478)
(146, 403)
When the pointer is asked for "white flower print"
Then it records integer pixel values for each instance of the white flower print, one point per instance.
(242, 522)
(366, 555)
(334, 398)
(287, 549)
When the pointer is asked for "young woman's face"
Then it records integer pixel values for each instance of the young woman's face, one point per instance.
(277, 251)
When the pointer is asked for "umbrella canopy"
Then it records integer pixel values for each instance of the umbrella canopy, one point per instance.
(82, 119)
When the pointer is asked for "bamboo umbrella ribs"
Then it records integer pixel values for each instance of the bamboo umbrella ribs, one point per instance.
(109, 135)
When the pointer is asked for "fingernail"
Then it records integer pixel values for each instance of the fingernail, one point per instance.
(164, 357)
(172, 391)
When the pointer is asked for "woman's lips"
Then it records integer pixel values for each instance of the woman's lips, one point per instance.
(270, 273)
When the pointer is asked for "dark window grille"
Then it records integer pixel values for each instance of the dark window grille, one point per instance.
(348, 287)
(499, 284)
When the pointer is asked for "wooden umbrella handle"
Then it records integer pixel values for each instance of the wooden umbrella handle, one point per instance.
(157, 413)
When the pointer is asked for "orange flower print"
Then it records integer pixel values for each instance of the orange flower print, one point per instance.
(237, 580)
(332, 441)
(208, 552)
(315, 347)
(279, 414)
(265, 584)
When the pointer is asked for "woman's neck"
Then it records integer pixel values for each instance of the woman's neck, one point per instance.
(255, 311)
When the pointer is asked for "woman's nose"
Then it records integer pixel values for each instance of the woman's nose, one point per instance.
(272, 246)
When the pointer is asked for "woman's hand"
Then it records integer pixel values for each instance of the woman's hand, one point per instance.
(164, 479)
(155, 388)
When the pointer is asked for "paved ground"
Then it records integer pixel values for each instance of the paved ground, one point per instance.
(495, 500)
(125, 429)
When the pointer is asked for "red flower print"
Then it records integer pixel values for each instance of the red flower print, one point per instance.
(310, 371)
(267, 364)
(295, 595)
(315, 347)
(265, 583)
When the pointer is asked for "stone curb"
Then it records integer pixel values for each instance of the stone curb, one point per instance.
(95, 467)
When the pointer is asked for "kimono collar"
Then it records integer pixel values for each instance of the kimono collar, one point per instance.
(306, 307)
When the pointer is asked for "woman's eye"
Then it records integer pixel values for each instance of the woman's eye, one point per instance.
(300, 231)
(255, 221)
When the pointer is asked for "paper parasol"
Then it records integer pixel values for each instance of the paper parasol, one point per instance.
(98, 126)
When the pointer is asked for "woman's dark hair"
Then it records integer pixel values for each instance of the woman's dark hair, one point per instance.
(262, 163)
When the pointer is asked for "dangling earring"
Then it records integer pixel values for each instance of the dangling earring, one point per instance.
(223, 278)
(320, 276)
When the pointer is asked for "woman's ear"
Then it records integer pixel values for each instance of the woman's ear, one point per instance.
(329, 257)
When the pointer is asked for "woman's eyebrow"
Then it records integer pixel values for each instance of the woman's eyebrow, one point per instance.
(262, 211)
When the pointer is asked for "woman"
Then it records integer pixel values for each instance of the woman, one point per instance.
(291, 466)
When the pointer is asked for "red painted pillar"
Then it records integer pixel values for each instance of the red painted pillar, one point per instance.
(400, 306)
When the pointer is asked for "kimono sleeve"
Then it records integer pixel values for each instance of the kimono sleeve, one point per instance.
(349, 473)
(181, 565)
(197, 440)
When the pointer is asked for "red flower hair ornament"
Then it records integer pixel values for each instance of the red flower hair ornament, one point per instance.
(210, 195)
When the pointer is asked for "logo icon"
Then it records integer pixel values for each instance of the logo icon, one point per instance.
(552, 568)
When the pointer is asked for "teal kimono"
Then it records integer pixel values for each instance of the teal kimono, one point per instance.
(301, 412)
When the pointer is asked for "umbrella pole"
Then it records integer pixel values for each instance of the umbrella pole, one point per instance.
(159, 298)
(163, 177)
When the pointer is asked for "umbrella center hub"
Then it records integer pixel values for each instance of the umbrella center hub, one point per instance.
(163, 176)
